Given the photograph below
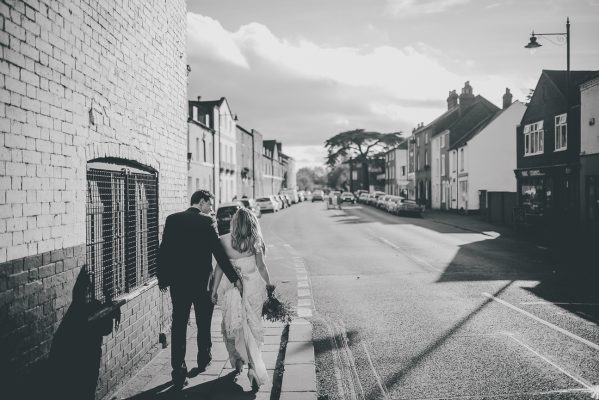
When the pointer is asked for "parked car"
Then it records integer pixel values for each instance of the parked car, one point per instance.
(281, 202)
(381, 201)
(292, 194)
(267, 204)
(360, 192)
(348, 197)
(409, 207)
(393, 203)
(252, 205)
(224, 215)
(317, 195)
(363, 198)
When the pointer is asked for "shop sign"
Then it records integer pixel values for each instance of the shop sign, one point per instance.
(532, 172)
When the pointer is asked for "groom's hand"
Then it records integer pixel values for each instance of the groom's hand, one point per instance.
(239, 286)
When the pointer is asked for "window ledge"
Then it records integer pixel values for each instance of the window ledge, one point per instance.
(562, 149)
(534, 154)
(107, 309)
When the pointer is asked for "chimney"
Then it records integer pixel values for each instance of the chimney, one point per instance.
(466, 98)
(452, 100)
(507, 98)
(199, 98)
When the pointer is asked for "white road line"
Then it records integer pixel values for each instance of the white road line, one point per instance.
(542, 321)
(376, 375)
(583, 382)
(414, 258)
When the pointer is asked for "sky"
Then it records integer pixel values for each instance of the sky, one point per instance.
(302, 71)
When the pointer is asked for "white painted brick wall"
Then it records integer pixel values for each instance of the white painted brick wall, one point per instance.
(59, 60)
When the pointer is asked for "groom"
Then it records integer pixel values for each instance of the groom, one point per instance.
(189, 241)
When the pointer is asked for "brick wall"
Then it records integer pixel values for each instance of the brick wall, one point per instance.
(81, 80)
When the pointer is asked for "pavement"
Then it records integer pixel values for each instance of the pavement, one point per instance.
(288, 355)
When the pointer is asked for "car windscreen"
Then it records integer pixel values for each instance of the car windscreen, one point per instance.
(263, 199)
(226, 212)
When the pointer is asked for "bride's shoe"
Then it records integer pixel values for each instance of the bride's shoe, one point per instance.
(238, 369)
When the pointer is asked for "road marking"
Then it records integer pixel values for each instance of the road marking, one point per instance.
(582, 381)
(376, 375)
(542, 321)
(412, 257)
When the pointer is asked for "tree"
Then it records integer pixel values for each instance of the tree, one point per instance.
(310, 178)
(338, 177)
(361, 146)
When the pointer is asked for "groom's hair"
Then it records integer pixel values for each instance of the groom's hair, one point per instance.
(201, 195)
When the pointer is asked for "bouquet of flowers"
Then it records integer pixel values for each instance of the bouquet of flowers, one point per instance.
(275, 309)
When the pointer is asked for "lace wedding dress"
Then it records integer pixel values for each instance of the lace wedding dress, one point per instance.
(242, 318)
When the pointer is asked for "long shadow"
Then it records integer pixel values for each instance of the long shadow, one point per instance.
(74, 362)
(567, 276)
(223, 387)
(416, 360)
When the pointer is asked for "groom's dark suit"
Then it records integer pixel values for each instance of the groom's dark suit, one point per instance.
(185, 263)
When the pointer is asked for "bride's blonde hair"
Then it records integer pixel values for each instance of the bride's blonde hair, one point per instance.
(245, 232)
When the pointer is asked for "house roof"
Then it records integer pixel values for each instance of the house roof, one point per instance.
(205, 106)
(476, 113)
(560, 79)
(475, 130)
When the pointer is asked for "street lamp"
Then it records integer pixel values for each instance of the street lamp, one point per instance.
(533, 44)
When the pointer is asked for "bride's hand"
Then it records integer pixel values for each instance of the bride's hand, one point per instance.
(214, 298)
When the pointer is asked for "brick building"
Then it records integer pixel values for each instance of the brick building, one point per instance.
(93, 158)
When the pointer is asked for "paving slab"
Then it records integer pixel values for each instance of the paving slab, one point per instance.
(301, 333)
(299, 353)
(299, 378)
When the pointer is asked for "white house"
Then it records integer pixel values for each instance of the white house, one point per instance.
(485, 158)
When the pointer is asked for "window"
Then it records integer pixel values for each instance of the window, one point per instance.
(204, 147)
(561, 132)
(197, 183)
(195, 113)
(426, 138)
(197, 155)
(418, 140)
(533, 138)
(403, 171)
(461, 159)
(442, 164)
(121, 228)
(425, 158)
(442, 141)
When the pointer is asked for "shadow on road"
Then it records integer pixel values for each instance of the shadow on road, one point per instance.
(567, 276)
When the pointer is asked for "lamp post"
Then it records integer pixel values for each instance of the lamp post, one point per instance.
(533, 44)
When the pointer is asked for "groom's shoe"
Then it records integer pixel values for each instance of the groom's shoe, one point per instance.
(179, 384)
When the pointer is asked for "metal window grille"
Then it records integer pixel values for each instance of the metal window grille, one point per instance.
(122, 230)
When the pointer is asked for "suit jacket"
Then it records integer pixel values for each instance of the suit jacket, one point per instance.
(189, 241)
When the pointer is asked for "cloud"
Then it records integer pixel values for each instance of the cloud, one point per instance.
(301, 93)
(410, 8)
(206, 36)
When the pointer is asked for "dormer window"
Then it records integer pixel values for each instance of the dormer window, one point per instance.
(561, 132)
(195, 113)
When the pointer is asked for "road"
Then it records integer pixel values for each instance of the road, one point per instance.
(409, 308)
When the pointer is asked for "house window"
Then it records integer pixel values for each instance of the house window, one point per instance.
(442, 141)
(461, 159)
(403, 171)
(561, 132)
(197, 183)
(533, 138)
(197, 155)
(442, 164)
(204, 147)
(121, 228)
(426, 138)
(425, 158)
(418, 140)
(195, 113)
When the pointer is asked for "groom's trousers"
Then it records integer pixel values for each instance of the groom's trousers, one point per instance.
(182, 301)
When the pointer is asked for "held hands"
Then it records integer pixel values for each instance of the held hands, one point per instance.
(214, 297)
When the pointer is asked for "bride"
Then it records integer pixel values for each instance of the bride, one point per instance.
(242, 314)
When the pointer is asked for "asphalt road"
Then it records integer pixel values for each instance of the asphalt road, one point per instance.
(408, 308)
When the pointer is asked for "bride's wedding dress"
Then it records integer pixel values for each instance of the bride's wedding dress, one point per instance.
(242, 318)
